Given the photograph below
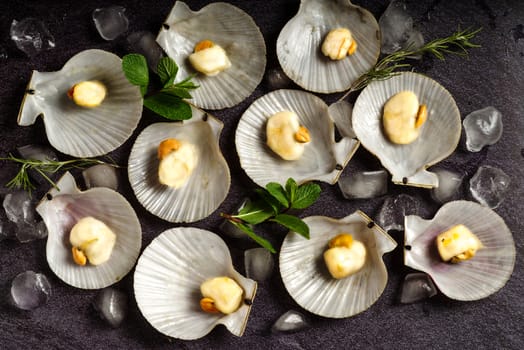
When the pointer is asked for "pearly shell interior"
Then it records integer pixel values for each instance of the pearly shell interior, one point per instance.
(232, 29)
(307, 279)
(63, 206)
(208, 184)
(438, 138)
(168, 277)
(299, 45)
(473, 279)
(80, 131)
(323, 158)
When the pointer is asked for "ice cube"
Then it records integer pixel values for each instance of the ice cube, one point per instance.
(277, 79)
(448, 186)
(110, 21)
(30, 232)
(291, 321)
(37, 152)
(396, 27)
(111, 305)
(101, 175)
(483, 127)
(342, 112)
(31, 36)
(391, 214)
(416, 287)
(19, 207)
(145, 44)
(30, 290)
(489, 186)
(259, 264)
(365, 184)
(8, 229)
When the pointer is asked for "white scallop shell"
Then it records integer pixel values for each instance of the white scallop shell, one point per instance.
(307, 279)
(232, 29)
(299, 45)
(438, 138)
(80, 131)
(209, 183)
(65, 205)
(323, 159)
(168, 276)
(473, 279)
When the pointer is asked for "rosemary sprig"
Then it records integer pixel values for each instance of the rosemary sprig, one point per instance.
(456, 44)
(44, 168)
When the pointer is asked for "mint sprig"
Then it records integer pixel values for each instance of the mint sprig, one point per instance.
(167, 101)
(272, 204)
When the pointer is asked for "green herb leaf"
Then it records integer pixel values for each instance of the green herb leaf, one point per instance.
(187, 83)
(255, 213)
(251, 233)
(306, 195)
(136, 71)
(278, 192)
(269, 200)
(291, 189)
(176, 91)
(168, 106)
(167, 70)
(293, 223)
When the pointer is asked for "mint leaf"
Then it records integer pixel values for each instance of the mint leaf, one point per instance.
(177, 91)
(261, 241)
(291, 189)
(136, 71)
(269, 200)
(167, 70)
(293, 223)
(278, 192)
(187, 83)
(168, 106)
(306, 195)
(254, 213)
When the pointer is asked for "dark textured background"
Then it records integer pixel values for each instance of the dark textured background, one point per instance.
(493, 75)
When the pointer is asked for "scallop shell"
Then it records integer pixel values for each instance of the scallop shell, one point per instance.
(473, 279)
(299, 45)
(323, 159)
(62, 207)
(206, 188)
(79, 131)
(232, 29)
(307, 279)
(438, 138)
(168, 277)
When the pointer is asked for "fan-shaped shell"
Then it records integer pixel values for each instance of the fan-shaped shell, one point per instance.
(232, 29)
(168, 277)
(209, 182)
(438, 138)
(63, 206)
(473, 279)
(307, 279)
(299, 45)
(323, 159)
(80, 131)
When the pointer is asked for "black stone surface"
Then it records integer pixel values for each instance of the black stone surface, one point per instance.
(493, 75)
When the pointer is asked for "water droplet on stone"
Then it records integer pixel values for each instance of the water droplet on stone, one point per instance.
(101, 175)
(483, 127)
(366, 184)
(111, 305)
(391, 214)
(30, 290)
(111, 22)
(31, 36)
(448, 186)
(489, 186)
(259, 264)
(416, 287)
(291, 321)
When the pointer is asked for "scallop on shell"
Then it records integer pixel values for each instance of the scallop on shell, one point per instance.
(307, 279)
(63, 206)
(168, 276)
(323, 158)
(79, 131)
(232, 29)
(208, 184)
(438, 137)
(473, 279)
(300, 41)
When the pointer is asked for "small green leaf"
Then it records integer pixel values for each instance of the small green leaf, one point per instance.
(271, 201)
(255, 215)
(135, 70)
(291, 189)
(261, 241)
(167, 70)
(187, 83)
(177, 91)
(306, 195)
(293, 223)
(168, 106)
(278, 192)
